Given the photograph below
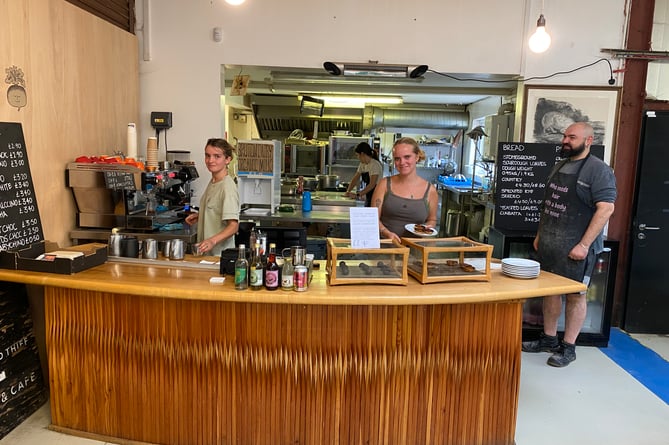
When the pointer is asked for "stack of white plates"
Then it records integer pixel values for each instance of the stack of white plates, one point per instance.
(520, 268)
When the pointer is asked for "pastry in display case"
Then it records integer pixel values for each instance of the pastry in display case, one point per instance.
(434, 260)
(351, 265)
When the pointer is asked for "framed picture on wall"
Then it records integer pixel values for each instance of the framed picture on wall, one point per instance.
(550, 109)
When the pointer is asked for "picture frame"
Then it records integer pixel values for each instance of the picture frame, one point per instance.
(549, 109)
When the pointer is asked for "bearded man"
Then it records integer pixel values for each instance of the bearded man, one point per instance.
(578, 202)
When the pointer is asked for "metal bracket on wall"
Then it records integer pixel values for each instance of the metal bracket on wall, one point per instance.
(654, 56)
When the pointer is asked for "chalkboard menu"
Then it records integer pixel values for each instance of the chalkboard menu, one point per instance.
(119, 180)
(20, 224)
(522, 171)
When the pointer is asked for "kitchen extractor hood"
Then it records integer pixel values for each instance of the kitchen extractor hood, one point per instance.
(277, 116)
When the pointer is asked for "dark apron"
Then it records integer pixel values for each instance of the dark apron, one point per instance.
(368, 196)
(564, 220)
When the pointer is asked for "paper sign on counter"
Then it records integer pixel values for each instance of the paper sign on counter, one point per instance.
(365, 227)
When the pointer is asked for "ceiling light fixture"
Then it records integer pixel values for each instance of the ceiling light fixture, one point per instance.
(357, 101)
(234, 2)
(540, 40)
(375, 69)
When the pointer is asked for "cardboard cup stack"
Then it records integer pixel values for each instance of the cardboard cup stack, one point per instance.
(152, 153)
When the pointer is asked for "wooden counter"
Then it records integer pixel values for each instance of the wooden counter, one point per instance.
(157, 354)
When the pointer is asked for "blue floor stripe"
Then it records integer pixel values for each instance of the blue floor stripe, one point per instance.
(644, 364)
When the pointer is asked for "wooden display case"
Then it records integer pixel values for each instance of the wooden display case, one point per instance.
(348, 265)
(434, 260)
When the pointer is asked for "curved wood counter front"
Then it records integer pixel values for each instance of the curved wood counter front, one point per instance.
(160, 355)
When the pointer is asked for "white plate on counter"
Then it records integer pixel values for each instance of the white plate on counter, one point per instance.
(520, 268)
(411, 228)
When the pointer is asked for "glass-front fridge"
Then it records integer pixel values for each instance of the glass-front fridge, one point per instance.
(597, 325)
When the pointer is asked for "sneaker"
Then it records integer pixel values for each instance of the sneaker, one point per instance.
(564, 356)
(546, 343)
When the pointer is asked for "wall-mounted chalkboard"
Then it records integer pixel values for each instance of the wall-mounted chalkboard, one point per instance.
(520, 180)
(119, 180)
(20, 224)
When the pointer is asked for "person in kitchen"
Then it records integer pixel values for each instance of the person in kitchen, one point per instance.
(405, 198)
(218, 218)
(370, 170)
(579, 199)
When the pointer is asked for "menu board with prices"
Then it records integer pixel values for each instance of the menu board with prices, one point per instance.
(20, 224)
(22, 388)
(119, 180)
(522, 172)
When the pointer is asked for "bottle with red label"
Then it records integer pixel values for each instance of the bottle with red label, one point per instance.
(271, 269)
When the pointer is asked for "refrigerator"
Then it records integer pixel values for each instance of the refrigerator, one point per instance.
(597, 325)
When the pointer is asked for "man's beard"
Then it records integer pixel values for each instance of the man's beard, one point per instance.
(570, 152)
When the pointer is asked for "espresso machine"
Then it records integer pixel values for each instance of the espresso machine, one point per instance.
(126, 197)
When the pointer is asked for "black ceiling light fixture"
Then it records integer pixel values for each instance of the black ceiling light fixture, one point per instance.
(417, 71)
(333, 68)
(375, 69)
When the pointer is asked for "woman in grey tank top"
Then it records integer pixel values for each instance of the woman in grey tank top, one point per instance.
(405, 198)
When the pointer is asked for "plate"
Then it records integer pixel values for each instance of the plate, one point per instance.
(410, 228)
(520, 262)
(521, 276)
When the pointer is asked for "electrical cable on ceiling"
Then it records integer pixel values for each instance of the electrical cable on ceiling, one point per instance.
(611, 80)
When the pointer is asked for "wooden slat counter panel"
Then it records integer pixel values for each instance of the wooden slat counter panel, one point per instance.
(173, 371)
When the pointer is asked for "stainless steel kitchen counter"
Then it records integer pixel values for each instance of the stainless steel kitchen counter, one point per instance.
(319, 214)
(327, 207)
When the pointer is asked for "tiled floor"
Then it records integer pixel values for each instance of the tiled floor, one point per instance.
(592, 401)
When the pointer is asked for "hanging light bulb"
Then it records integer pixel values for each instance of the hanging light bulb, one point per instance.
(234, 2)
(540, 40)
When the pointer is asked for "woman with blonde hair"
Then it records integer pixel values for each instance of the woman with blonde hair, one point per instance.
(405, 198)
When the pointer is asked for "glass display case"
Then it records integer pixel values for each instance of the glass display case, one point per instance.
(597, 325)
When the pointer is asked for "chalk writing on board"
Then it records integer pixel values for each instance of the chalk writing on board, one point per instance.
(522, 171)
(20, 224)
(119, 180)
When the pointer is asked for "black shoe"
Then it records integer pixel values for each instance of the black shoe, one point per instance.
(546, 343)
(564, 356)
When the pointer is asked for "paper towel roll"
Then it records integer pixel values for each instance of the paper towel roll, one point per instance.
(131, 151)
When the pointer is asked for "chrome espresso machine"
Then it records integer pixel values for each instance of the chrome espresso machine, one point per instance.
(129, 198)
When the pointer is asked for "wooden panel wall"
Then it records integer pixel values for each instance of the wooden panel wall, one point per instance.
(82, 82)
(185, 372)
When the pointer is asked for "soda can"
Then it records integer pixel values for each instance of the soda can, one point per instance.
(301, 278)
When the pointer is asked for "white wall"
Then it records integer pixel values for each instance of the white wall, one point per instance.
(486, 36)
(658, 72)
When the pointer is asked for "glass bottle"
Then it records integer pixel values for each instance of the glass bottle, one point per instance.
(241, 269)
(287, 274)
(256, 269)
(300, 271)
(271, 269)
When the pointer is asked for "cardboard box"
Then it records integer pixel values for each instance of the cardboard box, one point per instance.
(94, 254)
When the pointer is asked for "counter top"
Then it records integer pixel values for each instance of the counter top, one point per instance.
(193, 284)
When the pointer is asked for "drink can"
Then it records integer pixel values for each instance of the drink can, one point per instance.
(301, 278)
